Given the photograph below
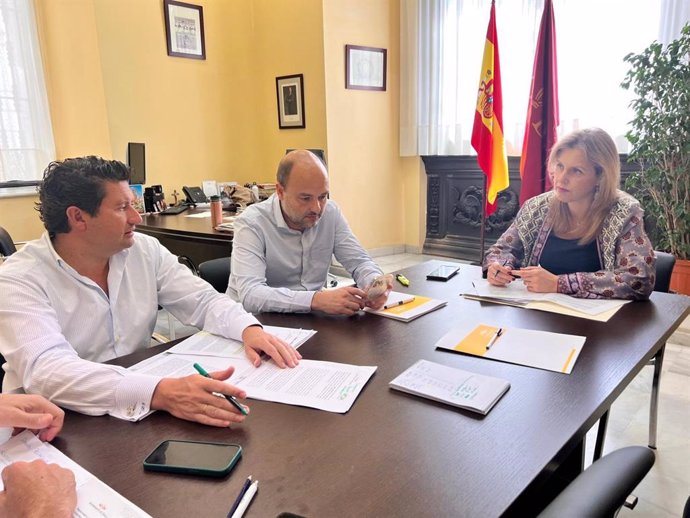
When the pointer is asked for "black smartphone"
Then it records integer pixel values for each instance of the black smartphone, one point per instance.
(443, 273)
(210, 459)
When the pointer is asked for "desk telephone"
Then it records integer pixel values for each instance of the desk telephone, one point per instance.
(194, 195)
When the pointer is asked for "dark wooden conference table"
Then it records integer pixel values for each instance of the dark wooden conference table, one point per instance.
(394, 454)
(190, 237)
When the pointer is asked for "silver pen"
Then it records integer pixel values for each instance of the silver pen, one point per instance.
(498, 333)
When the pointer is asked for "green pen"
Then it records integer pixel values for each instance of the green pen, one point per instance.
(231, 399)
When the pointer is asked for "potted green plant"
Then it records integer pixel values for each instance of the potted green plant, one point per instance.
(660, 138)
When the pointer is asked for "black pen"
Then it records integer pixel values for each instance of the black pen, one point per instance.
(231, 399)
(509, 273)
(245, 486)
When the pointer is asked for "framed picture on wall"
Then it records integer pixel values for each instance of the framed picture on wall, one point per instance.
(365, 68)
(290, 93)
(184, 28)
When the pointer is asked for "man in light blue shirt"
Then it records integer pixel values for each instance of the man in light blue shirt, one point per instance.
(282, 247)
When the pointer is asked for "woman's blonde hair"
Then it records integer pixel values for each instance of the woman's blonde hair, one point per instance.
(601, 152)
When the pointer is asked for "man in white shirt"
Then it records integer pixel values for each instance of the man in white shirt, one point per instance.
(88, 291)
(282, 247)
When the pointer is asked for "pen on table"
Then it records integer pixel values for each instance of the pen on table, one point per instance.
(398, 303)
(231, 399)
(237, 501)
(246, 500)
(498, 333)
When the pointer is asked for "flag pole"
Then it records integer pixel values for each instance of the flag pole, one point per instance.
(482, 228)
(487, 131)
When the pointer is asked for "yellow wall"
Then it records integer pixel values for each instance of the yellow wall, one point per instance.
(71, 62)
(375, 187)
(288, 40)
(110, 81)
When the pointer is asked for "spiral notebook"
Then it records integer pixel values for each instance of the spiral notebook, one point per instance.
(456, 387)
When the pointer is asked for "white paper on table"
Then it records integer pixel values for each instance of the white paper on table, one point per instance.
(316, 384)
(207, 344)
(556, 352)
(95, 499)
(517, 291)
(324, 385)
(205, 214)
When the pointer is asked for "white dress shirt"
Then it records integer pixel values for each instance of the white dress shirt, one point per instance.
(276, 268)
(56, 325)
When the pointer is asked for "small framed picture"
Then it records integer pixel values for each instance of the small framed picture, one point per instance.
(184, 28)
(365, 68)
(290, 93)
(138, 192)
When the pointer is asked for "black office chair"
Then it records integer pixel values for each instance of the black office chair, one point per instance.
(7, 248)
(6, 244)
(603, 488)
(216, 272)
(664, 268)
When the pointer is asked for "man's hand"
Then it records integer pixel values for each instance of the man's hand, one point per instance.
(32, 412)
(340, 301)
(538, 280)
(36, 489)
(192, 398)
(378, 302)
(256, 341)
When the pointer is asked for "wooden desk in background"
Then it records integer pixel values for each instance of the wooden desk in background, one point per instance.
(191, 237)
(394, 454)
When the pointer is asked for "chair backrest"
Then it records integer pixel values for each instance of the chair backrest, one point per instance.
(664, 267)
(602, 488)
(6, 244)
(216, 272)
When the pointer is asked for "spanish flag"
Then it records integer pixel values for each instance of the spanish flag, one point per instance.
(487, 133)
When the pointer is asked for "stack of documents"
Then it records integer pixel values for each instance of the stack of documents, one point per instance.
(541, 349)
(316, 384)
(94, 498)
(516, 294)
(228, 224)
(406, 307)
(455, 387)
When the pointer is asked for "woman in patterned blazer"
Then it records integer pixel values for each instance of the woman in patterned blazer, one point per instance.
(585, 237)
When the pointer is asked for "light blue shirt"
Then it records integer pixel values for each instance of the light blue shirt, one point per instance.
(276, 268)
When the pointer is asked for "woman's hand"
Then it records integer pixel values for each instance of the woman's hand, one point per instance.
(499, 275)
(538, 280)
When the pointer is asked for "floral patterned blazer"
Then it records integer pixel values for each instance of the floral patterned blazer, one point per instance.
(627, 256)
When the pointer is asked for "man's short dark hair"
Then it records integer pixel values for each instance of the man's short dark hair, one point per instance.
(283, 173)
(78, 182)
(286, 164)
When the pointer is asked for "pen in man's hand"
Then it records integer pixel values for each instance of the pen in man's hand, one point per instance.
(498, 333)
(231, 399)
(237, 501)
